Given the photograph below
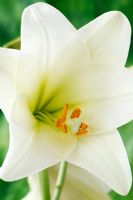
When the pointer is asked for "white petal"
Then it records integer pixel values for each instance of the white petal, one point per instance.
(8, 66)
(84, 177)
(61, 84)
(112, 105)
(33, 146)
(99, 88)
(104, 156)
(35, 190)
(76, 189)
(79, 184)
(44, 30)
(30, 77)
(108, 37)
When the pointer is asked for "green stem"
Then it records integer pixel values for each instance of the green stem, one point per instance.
(44, 184)
(13, 43)
(60, 180)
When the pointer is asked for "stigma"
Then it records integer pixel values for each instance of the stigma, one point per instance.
(72, 123)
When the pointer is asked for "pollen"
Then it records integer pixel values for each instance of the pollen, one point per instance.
(82, 129)
(75, 114)
(60, 122)
(69, 124)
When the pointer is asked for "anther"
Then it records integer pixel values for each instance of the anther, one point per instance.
(61, 121)
(76, 113)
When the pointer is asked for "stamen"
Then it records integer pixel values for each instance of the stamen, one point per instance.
(43, 117)
(63, 127)
(81, 132)
(76, 113)
(61, 122)
(83, 126)
(64, 112)
(82, 129)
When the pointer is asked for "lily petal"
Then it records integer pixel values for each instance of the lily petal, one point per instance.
(104, 156)
(40, 19)
(8, 66)
(79, 184)
(35, 190)
(99, 88)
(86, 178)
(108, 37)
(34, 146)
(113, 101)
(44, 32)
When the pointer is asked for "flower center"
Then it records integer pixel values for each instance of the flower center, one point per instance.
(73, 124)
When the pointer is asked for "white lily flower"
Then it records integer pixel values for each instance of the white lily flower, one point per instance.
(65, 93)
(78, 185)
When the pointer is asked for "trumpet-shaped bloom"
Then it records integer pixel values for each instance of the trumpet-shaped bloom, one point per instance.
(78, 185)
(65, 93)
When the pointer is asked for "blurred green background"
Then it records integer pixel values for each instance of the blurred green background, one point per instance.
(79, 12)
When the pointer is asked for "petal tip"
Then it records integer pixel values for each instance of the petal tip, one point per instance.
(125, 186)
(126, 190)
(39, 5)
(118, 15)
(122, 18)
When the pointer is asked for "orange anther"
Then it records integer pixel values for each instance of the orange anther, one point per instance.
(60, 122)
(64, 112)
(63, 127)
(76, 113)
(83, 126)
(81, 132)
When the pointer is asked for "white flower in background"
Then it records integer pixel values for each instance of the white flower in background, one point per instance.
(65, 93)
(78, 185)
